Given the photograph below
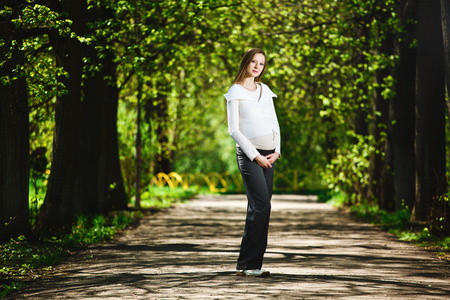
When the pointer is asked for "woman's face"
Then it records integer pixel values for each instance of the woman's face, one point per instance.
(256, 66)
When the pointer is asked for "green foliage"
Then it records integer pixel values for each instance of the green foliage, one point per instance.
(422, 237)
(389, 221)
(321, 63)
(158, 198)
(23, 260)
(37, 189)
(8, 288)
(335, 198)
(176, 59)
(348, 172)
(398, 223)
(93, 230)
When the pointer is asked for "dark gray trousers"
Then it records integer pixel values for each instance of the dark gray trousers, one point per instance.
(258, 183)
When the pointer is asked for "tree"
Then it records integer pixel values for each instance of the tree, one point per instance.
(402, 106)
(430, 112)
(382, 169)
(344, 73)
(442, 219)
(65, 197)
(85, 176)
(158, 113)
(101, 96)
(14, 135)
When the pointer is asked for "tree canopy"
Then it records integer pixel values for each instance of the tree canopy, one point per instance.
(115, 91)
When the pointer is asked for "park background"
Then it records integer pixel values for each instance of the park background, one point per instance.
(99, 97)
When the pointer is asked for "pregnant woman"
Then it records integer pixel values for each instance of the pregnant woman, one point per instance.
(253, 124)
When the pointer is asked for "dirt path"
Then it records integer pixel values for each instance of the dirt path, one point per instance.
(315, 252)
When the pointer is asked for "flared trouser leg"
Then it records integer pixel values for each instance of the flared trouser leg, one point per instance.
(258, 184)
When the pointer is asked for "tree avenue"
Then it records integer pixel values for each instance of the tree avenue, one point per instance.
(113, 92)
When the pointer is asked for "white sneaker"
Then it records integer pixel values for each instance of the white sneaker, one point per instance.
(257, 272)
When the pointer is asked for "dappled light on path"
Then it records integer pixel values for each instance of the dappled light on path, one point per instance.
(189, 252)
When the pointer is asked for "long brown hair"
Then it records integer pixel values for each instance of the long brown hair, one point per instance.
(245, 61)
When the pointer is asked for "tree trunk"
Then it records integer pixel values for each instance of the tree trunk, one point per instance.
(442, 207)
(14, 134)
(103, 89)
(116, 195)
(381, 173)
(158, 110)
(94, 137)
(86, 177)
(92, 168)
(402, 109)
(137, 202)
(65, 197)
(101, 171)
(445, 19)
(430, 111)
(361, 122)
(386, 200)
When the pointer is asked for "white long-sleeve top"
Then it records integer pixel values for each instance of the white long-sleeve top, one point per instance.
(252, 120)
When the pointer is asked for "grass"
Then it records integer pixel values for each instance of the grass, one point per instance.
(397, 223)
(22, 261)
(440, 246)
(164, 197)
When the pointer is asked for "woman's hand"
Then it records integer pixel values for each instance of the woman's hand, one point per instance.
(263, 162)
(272, 157)
(267, 161)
